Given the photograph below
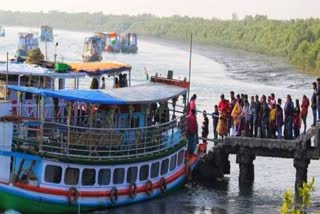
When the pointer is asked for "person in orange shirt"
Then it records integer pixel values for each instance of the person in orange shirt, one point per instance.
(272, 121)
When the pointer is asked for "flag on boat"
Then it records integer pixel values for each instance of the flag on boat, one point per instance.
(112, 37)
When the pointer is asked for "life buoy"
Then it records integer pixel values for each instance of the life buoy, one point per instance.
(114, 195)
(149, 188)
(73, 195)
(163, 185)
(132, 190)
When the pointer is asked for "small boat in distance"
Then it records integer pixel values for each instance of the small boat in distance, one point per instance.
(129, 43)
(46, 34)
(113, 44)
(92, 49)
(2, 31)
(27, 42)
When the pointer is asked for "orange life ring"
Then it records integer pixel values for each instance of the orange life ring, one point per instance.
(163, 185)
(149, 188)
(132, 190)
(114, 195)
(73, 195)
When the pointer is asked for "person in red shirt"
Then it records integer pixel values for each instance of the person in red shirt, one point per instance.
(192, 131)
(223, 108)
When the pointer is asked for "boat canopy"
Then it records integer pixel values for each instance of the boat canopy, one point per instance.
(139, 94)
(35, 70)
(100, 68)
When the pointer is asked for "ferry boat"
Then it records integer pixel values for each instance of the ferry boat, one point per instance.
(113, 44)
(122, 149)
(27, 42)
(46, 34)
(129, 43)
(2, 31)
(103, 38)
(92, 49)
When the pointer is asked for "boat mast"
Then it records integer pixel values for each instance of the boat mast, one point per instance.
(190, 67)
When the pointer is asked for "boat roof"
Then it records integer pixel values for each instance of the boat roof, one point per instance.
(139, 94)
(100, 68)
(35, 70)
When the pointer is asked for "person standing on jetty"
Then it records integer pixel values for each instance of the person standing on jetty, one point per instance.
(288, 113)
(264, 115)
(222, 127)
(318, 97)
(279, 118)
(314, 103)
(296, 119)
(232, 104)
(215, 118)
(205, 127)
(304, 112)
(192, 131)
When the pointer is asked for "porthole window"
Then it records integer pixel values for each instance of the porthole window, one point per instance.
(53, 174)
(118, 176)
(155, 170)
(180, 157)
(71, 176)
(88, 177)
(104, 176)
(173, 162)
(132, 174)
(144, 173)
(164, 166)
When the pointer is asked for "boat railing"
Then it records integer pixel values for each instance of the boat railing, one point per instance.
(60, 140)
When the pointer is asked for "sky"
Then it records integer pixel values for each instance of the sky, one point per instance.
(277, 9)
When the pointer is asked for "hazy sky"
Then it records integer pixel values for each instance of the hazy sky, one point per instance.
(279, 9)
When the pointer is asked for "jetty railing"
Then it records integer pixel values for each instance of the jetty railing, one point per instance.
(56, 139)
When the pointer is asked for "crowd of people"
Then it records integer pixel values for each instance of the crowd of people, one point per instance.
(254, 116)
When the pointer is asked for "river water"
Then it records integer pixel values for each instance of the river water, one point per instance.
(214, 71)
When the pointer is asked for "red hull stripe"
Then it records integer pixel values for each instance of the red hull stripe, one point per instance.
(50, 191)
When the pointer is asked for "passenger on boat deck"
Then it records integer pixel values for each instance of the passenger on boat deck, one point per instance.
(116, 83)
(192, 131)
(103, 85)
(192, 104)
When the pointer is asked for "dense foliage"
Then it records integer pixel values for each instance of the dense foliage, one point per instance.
(297, 40)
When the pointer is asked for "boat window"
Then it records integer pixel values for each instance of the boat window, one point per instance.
(71, 176)
(173, 162)
(144, 173)
(155, 170)
(53, 174)
(135, 122)
(132, 174)
(88, 177)
(164, 166)
(118, 176)
(104, 176)
(180, 157)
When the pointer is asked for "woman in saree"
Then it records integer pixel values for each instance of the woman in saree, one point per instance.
(236, 116)
(222, 127)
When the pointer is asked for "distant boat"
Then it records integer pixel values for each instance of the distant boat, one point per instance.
(129, 43)
(46, 33)
(2, 31)
(27, 42)
(103, 37)
(92, 49)
(113, 43)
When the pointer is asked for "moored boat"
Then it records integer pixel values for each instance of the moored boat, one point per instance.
(92, 49)
(127, 146)
(2, 31)
(27, 42)
(103, 38)
(129, 43)
(46, 34)
(113, 43)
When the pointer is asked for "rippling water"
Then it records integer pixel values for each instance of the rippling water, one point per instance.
(214, 71)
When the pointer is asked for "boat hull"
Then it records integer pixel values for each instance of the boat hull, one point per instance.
(92, 58)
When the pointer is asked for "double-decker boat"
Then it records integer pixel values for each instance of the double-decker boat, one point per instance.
(129, 43)
(27, 42)
(125, 146)
(46, 34)
(92, 49)
(103, 38)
